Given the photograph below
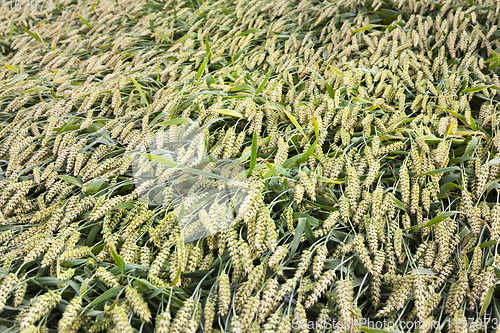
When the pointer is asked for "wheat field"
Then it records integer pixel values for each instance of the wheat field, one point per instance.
(367, 138)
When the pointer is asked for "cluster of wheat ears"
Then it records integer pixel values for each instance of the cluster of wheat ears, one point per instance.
(368, 130)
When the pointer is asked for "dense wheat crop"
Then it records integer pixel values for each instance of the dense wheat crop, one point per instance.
(369, 135)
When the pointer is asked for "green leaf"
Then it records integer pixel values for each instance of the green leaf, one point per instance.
(238, 55)
(250, 31)
(473, 125)
(495, 60)
(366, 27)
(126, 204)
(207, 174)
(283, 171)
(177, 276)
(157, 118)
(263, 84)
(437, 171)
(98, 248)
(316, 127)
(85, 21)
(474, 89)
(92, 129)
(73, 263)
(132, 267)
(165, 38)
(228, 112)
(12, 68)
(185, 37)
(209, 80)
(84, 286)
(67, 128)
(118, 260)
(336, 70)
(460, 159)
(181, 213)
(459, 116)
(440, 218)
(11, 28)
(424, 271)
(48, 281)
(270, 172)
(310, 219)
(494, 161)
(207, 45)
(447, 187)
(492, 185)
(429, 137)
(35, 89)
(487, 301)
(466, 259)
(308, 152)
(326, 180)
(146, 283)
(399, 203)
(292, 161)
(472, 145)
(152, 25)
(333, 264)
(329, 88)
(253, 156)
(177, 121)
(108, 294)
(161, 160)
(242, 159)
(298, 235)
(92, 235)
(363, 100)
(203, 65)
(486, 244)
(309, 233)
(35, 36)
(71, 180)
(195, 274)
(294, 121)
(143, 96)
(243, 87)
(95, 186)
